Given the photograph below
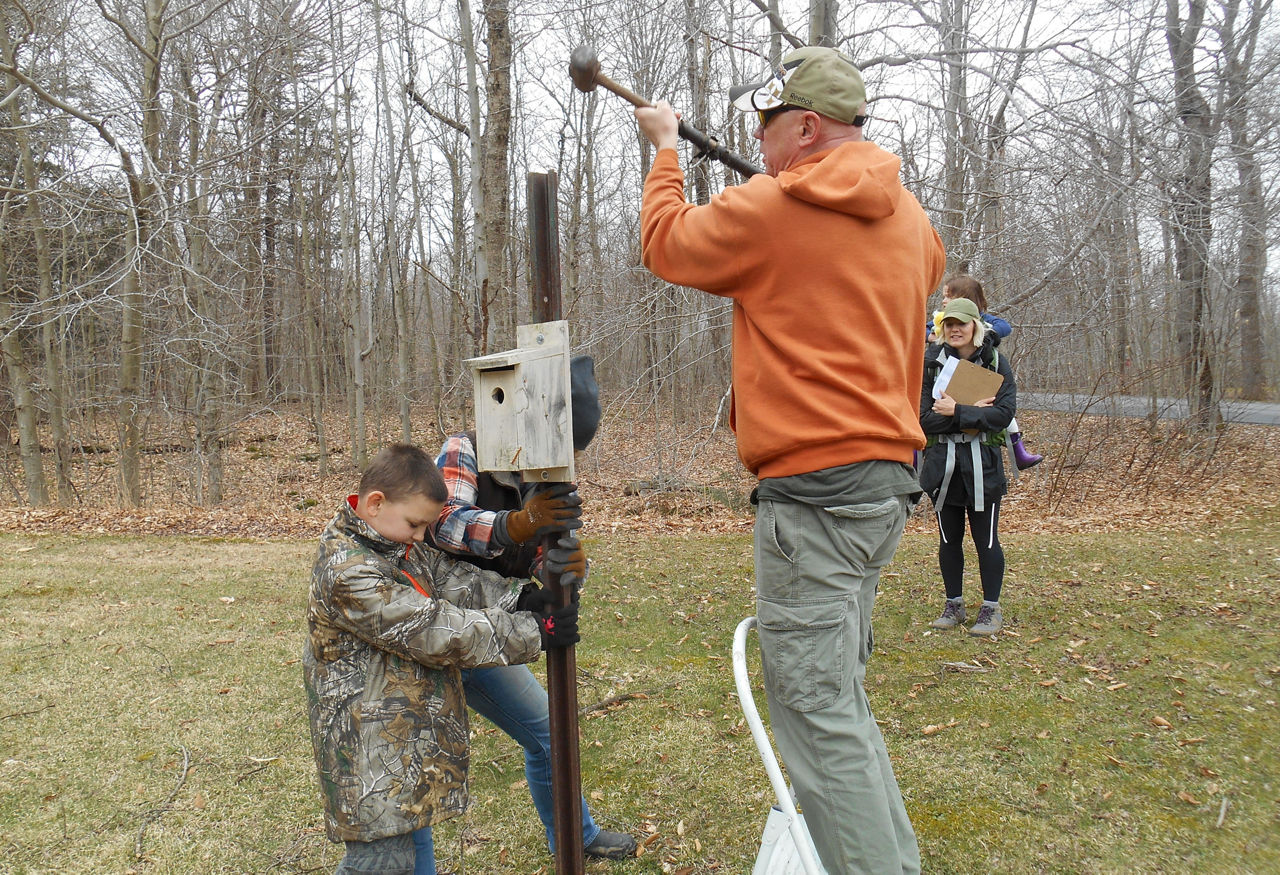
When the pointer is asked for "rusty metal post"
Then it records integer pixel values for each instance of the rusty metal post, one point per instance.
(562, 665)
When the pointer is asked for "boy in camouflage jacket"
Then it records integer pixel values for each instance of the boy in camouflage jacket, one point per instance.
(390, 622)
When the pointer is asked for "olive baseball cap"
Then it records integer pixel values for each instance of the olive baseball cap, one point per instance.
(813, 77)
(962, 310)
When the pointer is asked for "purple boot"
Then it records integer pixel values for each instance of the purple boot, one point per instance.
(1021, 457)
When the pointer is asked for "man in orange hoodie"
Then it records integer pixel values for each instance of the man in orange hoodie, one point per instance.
(828, 261)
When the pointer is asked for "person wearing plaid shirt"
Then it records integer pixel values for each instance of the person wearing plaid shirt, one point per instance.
(464, 527)
(495, 520)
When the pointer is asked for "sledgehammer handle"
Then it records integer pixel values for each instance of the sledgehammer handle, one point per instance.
(584, 69)
(621, 90)
(709, 146)
(705, 145)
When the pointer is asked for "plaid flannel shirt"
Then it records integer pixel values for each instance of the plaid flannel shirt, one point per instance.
(463, 527)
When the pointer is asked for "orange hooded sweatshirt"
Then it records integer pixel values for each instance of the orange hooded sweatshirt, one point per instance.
(828, 265)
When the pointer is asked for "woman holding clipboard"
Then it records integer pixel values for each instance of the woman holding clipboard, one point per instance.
(966, 404)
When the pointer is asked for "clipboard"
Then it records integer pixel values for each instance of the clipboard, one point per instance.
(967, 383)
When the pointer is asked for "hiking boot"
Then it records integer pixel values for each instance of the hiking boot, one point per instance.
(952, 616)
(1022, 457)
(611, 846)
(990, 621)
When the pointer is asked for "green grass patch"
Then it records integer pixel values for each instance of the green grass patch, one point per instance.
(153, 713)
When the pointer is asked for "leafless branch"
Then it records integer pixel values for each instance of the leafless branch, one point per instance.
(158, 812)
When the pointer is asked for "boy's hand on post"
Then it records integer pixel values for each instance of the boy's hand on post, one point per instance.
(557, 509)
(532, 598)
(559, 626)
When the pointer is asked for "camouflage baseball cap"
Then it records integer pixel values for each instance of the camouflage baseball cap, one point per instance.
(813, 77)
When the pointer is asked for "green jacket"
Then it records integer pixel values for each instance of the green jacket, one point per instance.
(381, 667)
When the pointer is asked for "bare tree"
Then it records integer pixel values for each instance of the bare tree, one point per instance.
(1192, 206)
(1242, 80)
(13, 332)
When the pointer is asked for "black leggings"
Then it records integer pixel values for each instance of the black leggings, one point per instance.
(951, 548)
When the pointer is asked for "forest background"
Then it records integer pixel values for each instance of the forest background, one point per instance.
(243, 243)
(225, 218)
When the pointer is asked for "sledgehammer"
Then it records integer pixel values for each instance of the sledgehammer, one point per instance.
(584, 70)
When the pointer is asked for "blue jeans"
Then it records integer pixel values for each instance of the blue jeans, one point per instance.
(511, 698)
(425, 846)
(389, 856)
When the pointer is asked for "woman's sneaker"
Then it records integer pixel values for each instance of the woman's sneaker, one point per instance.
(952, 616)
(990, 621)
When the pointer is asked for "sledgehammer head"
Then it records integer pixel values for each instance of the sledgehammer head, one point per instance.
(584, 66)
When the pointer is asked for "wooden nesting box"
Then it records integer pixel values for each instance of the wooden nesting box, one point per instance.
(523, 413)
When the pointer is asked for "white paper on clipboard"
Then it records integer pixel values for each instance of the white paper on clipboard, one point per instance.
(944, 377)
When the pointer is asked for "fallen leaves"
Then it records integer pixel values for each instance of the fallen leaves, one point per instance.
(935, 728)
(278, 446)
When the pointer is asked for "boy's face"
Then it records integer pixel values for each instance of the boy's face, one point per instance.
(405, 521)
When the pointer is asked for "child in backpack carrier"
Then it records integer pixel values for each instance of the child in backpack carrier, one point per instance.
(964, 286)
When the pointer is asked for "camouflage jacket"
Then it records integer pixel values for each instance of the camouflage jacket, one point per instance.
(386, 706)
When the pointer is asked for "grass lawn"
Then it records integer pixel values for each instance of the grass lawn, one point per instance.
(152, 718)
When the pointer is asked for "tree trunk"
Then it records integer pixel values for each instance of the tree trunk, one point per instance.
(697, 74)
(495, 148)
(353, 310)
(313, 345)
(956, 144)
(130, 402)
(24, 400)
(208, 339)
(14, 355)
(1248, 286)
(481, 272)
(1191, 210)
(1251, 200)
(822, 22)
(421, 284)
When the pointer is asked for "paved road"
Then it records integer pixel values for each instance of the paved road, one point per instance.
(1248, 412)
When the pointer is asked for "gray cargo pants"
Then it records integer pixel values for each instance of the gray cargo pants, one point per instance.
(817, 569)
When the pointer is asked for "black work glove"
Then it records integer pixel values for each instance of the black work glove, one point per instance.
(557, 626)
(532, 598)
(556, 509)
(565, 557)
